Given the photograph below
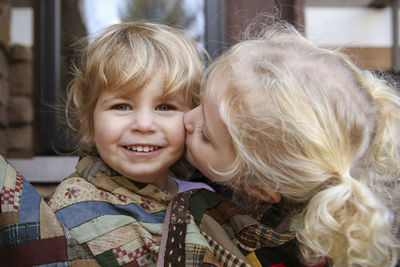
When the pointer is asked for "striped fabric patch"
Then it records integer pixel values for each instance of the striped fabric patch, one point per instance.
(224, 256)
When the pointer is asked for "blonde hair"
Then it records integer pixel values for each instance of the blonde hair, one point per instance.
(309, 124)
(129, 54)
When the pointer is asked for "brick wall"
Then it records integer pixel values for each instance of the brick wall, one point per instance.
(20, 104)
(16, 92)
(5, 7)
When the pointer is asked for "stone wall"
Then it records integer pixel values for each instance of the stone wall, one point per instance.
(16, 92)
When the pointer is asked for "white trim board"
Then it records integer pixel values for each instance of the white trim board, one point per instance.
(45, 169)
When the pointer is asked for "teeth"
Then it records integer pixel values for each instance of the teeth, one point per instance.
(142, 148)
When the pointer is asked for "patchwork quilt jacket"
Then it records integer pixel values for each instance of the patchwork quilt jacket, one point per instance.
(98, 218)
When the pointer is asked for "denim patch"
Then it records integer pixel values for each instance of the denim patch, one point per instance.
(29, 207)
(56, 264)
(79, 213)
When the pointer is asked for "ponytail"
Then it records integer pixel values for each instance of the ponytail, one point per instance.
(349, 224)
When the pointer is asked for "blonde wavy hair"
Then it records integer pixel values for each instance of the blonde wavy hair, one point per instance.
(127, 55)
(309, 124)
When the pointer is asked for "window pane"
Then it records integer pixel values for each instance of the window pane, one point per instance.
(186, 14)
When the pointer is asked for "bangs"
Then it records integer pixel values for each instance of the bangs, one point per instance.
(127, 57)
(124, 63)
(131, 67)
(129, 80)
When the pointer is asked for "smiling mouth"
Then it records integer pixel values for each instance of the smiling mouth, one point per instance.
(142, 148)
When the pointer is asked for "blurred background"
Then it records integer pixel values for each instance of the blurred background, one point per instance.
(36, 38)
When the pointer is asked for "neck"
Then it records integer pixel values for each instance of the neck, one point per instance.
(171, 186)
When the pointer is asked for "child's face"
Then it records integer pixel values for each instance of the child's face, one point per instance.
(142, 135)
(208, 141)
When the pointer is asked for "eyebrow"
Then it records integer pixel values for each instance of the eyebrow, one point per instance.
(174, 98)
(103, 100)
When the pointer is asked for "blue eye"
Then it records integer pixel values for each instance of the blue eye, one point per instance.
(121, 107)
(165, 107)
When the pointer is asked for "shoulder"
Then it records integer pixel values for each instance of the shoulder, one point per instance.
(227, 225)
(73, 181)
(73, 189)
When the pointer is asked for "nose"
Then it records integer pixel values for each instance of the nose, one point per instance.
(143, 121)
(189, 120)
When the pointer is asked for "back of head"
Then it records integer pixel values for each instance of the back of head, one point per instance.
(129, 54)
(308, 123)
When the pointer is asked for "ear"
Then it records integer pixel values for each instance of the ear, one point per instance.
(263, 193)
